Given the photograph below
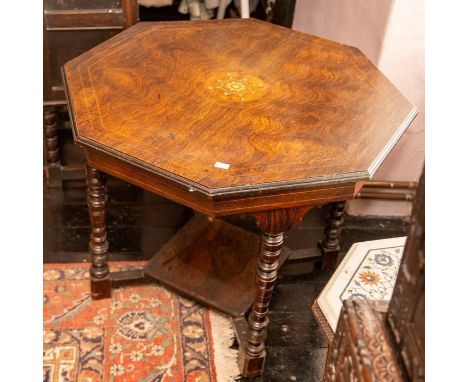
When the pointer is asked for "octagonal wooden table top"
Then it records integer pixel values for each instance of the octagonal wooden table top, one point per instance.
(231, 106)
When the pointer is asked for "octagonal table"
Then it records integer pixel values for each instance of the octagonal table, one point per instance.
(229, 117)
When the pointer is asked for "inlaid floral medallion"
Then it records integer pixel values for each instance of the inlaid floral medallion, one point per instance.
(236, 86)
(143, 333)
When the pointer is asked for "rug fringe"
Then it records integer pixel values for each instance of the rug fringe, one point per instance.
(225, 358)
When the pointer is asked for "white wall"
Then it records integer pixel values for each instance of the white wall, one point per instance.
(391, 34)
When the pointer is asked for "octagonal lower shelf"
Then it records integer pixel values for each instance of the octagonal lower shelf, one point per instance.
(212, 262)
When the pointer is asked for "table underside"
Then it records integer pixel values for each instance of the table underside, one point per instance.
(212, 262)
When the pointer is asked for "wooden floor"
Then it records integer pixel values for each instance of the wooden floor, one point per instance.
(139, 223)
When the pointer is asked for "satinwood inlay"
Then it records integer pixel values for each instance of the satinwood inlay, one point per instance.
(235, 86)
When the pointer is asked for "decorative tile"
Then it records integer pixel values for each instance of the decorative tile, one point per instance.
(375, 278)
(368, 270)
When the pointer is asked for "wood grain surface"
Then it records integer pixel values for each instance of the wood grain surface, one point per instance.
(235, 105)
(213, 262)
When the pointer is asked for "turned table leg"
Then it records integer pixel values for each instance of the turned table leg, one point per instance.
(330, 244)
(252, 354)
(51, 146)
(98, 245)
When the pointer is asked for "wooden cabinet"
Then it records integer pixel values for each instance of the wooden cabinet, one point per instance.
(70, 28)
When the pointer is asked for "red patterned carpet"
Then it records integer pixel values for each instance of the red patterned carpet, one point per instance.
(143, 333)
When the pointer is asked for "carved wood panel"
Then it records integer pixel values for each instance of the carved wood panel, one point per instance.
(361, 350)
(406, 313)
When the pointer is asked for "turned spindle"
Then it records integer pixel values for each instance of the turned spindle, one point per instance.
(330, 244)
(98, 245)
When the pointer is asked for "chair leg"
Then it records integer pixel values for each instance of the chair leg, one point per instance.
(222, 9)
(245, 11)
(51, 146)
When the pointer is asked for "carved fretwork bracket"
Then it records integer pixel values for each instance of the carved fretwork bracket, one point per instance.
(282, 220)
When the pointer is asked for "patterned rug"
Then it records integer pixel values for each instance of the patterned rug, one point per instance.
(143, 333)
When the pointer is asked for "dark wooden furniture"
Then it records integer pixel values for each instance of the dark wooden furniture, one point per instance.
(262, 121)
(381, 341)
(69, 29)
(362, 350)
(406, 312)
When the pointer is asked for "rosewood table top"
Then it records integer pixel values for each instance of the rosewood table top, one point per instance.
(235, 108)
